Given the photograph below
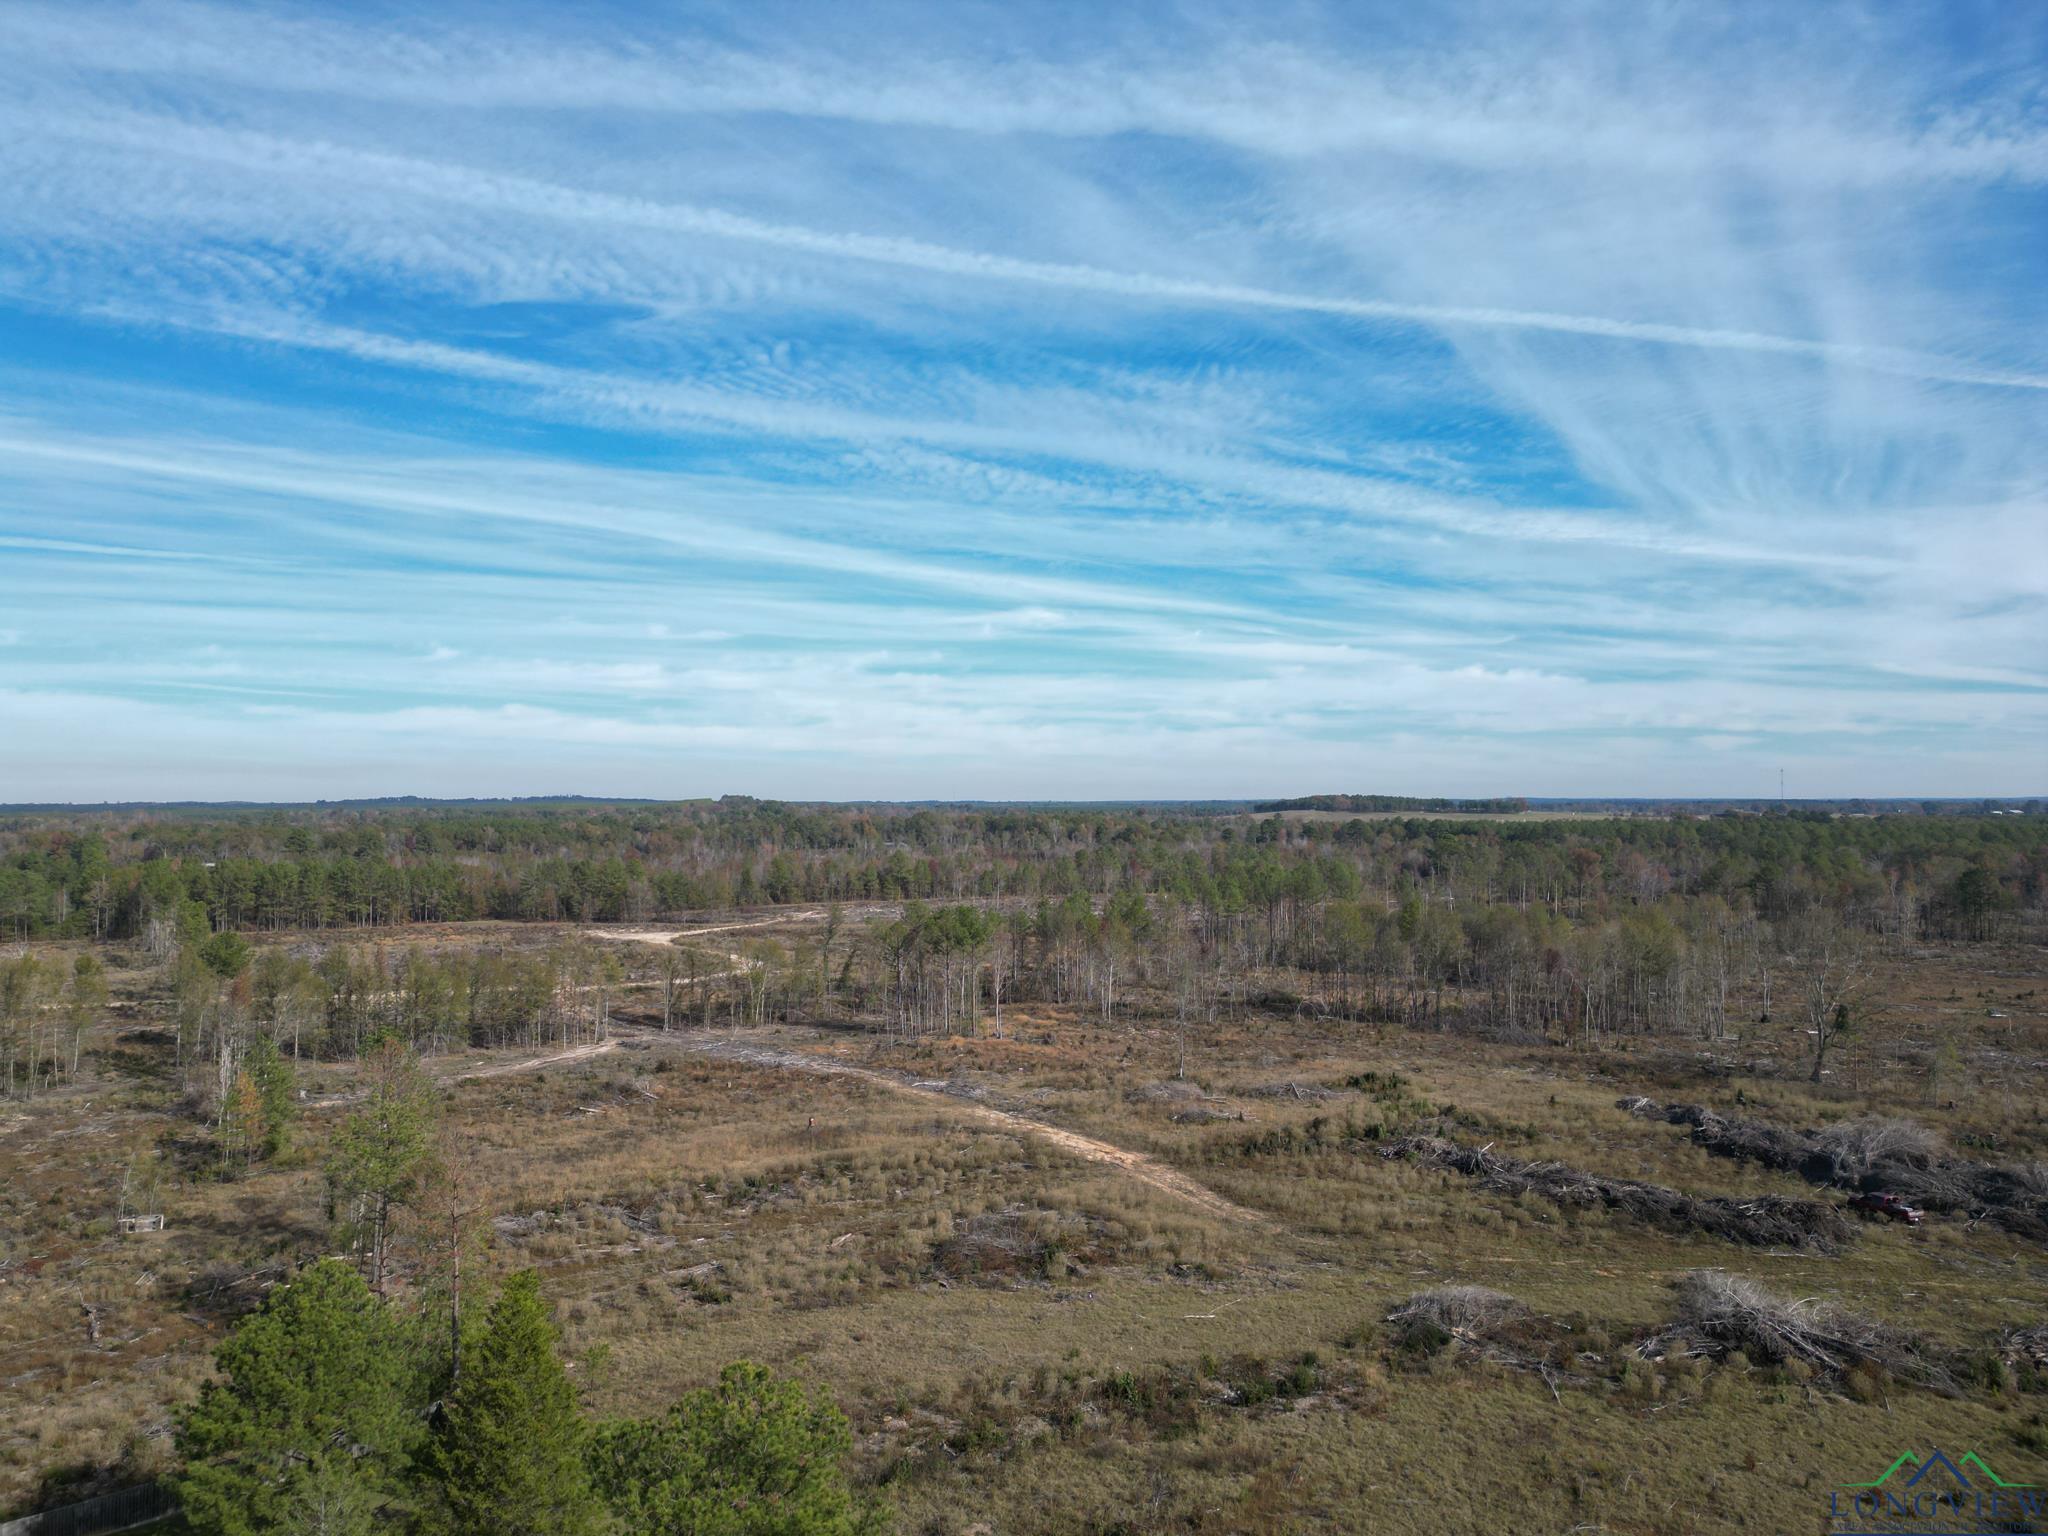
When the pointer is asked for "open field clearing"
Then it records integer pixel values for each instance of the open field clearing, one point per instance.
(1019, 770)
(1145, 1169)
(1142, 1176)
(1045, 1268)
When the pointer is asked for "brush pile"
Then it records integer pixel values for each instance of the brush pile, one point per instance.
(1874, 1154)
(1763, 1221)
(1855, 1149)
(1721, 1315)
(1311, 1092)
(1469, 1312)
(2025, 1349)
(1020, 1243)
(1172, 1091)
(1487, 1324)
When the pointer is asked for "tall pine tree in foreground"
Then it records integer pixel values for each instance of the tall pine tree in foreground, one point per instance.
(508, 1459)
(381, 1152)
(311, 1425)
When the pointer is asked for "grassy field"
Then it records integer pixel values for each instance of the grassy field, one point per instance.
(1033, 1339)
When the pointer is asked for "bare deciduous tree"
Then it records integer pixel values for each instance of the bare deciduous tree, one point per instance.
(1830, 963)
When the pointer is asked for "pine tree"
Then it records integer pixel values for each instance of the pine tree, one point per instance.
(508, 1459)
(225, 954)
(753, 1456)
(241, 1123)
(277, 1090)
(380, 1152)
(88, 997)
(313, 1421)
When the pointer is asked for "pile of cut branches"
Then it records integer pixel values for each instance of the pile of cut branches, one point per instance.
(1171, 1091)
(2025, 1349)
(1019, 1243)
(1720, 1314)
(1873, 1154)
(1290, 1090)
(1470, 1312)
(1762, 1221)
(1487, 1324)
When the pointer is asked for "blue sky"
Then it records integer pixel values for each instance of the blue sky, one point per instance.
(1022, 401)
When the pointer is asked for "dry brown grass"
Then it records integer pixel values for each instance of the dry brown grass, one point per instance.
(1044, 1344)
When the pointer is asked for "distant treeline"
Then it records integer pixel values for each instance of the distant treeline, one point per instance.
(1529, 927)
(1359, 805)
(123, 876)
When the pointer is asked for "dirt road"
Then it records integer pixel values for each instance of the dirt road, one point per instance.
(1149, 1170)
(536, 1063)
(670, 935)
(575, 1053)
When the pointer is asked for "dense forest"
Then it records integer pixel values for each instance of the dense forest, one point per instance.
(115, 875)
(930, 921)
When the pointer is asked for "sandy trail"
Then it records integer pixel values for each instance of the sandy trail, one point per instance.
(670, 935)
(663, 937)
(536, 1063)
(1149, 1170)
(502, 1069)
(1138, 1165)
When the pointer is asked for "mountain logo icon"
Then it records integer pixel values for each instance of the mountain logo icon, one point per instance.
(1979, 1469)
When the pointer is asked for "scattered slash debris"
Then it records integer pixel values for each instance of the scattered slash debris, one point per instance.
(1192, 1105)
(1307, 1092)
(1761, 1221)
(1874, 1154)
(952, 1086)
(1461, 1311)
(1721, 1314)
(523, 1226)
(2025, 1348)
(1174, 1091)
(1488, 1324)
(1020, 1244)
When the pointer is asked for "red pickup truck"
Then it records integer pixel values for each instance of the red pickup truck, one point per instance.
(1878, 1202)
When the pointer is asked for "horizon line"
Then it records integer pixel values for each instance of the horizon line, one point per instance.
(1246, 801)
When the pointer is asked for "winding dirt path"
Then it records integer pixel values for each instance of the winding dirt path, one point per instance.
(663, 937)
(1146, 1169)
(502, 1069)
(536, 1063)
(670, 935)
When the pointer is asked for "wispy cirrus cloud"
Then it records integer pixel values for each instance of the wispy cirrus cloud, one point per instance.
(1519, 89)
(520, 196)
(1119, 410)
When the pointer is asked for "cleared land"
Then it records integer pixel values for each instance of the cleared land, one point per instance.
(1060, 1287)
